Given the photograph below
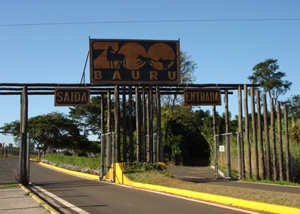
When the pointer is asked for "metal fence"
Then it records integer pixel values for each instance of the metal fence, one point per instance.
(227, 156)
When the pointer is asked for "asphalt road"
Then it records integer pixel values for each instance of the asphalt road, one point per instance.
(103, 197)
(9, 170)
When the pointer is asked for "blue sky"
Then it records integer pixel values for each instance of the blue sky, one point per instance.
(225, 51)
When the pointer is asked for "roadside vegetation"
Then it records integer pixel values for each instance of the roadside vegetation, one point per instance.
(80, 164)
(8, 185)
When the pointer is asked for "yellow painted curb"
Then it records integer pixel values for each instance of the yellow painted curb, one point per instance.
(261, 206)
(121, 178)
(36, 160)
(94, 177)
(38, 199)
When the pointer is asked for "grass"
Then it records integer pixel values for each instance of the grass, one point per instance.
(159, 177)
(8, 185)
(82, 164)
(273, 182)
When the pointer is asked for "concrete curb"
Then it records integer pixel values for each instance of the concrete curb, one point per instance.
(39, 200)
(120, 178)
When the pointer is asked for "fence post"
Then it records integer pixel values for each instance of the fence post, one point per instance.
(228, 161)
(287, 144)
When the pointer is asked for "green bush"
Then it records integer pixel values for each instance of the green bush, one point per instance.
(80, 162)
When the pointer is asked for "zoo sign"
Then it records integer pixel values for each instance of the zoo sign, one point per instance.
(134, 61)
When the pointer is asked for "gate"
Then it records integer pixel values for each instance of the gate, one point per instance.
(227, 155)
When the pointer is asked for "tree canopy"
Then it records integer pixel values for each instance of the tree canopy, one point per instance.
(267, 75)
(53, 130)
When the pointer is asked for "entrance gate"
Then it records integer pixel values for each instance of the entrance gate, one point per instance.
(227, 155)
(143, 101)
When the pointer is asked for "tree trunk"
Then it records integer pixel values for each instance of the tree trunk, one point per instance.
(242, 154)
(254, 133)
(124, 125)
(267, 140)
(138, 124)
(260, 139)
(160, 152)
(248, 158)
(287, 144)
(280, 150)
(227, 136)
(108, 112)
(131, 150)
(273, 139)
(117, 125)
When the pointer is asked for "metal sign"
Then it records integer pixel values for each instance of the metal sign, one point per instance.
(201, 96)
(221, 148)
(134, 61)
(72, 97)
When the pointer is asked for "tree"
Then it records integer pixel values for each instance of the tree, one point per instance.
(187, 69)
(293, 105)
(174, 112)
(184, 142)
(88, 117)
(267, 75)
(53, 130)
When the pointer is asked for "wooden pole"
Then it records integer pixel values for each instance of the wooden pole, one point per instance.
(228, 161)
(254, 133)
(267, 140)
(138, 124)
(130, 126)
(117, 125)
(108, 111)
(24, 127)
(260, 138)
(144, 141)
(102, 137)
(148, 128)
(159, 146)
(287, 144)
(150, 125)
(273, 139)
(242, 159)
(20, 146)
(215, 141)
(279, 137)
(124, 125)
(248, 158)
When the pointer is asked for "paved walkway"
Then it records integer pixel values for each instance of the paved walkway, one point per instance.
(14, 200)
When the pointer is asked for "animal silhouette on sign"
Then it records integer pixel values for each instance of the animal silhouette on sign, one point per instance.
(115, 56)
(165, 62)
(146, 60)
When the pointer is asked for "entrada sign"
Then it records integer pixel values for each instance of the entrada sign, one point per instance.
(202, 96)
(72, 97)
(134, 61)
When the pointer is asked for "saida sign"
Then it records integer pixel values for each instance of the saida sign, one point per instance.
(72, 97)
(134, 61)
